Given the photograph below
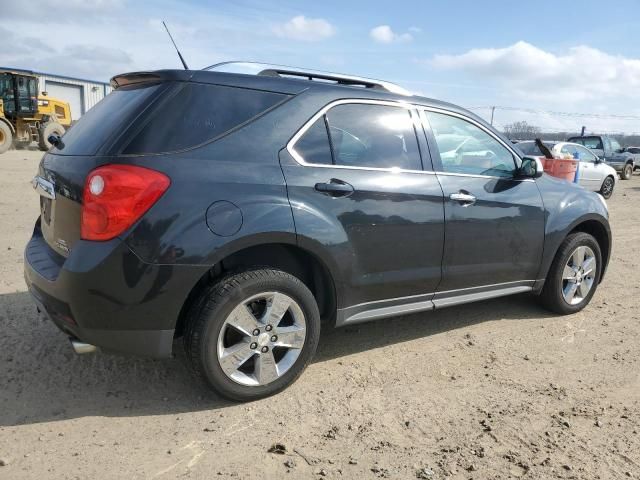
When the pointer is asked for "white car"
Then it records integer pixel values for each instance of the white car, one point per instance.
(593, 174)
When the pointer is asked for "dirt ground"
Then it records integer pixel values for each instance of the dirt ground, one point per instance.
(499, 389)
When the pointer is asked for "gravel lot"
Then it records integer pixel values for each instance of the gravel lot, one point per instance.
(499, 389)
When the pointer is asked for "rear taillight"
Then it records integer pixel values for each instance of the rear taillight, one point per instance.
(116, 196)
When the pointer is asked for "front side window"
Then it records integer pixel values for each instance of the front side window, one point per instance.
(466, 148)
(374, 136)
(615, 146)
(585, 155)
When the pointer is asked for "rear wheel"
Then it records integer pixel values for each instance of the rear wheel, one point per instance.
(48, 129)
(574, 274)
(6, 137)
(253, 333)
(607, 187)
(627, 171)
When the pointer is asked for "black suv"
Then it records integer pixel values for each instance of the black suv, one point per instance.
(242, 211)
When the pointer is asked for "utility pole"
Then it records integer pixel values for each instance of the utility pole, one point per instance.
(583, 130)
(493, 110)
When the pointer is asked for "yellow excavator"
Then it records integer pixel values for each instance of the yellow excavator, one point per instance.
(26, 116)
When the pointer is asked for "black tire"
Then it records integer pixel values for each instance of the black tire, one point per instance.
(207, 317)
(6, 137)
(606, 190)
(46, 130)
(627, 172)
(551, 296)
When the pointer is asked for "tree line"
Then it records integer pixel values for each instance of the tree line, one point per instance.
(525, 131)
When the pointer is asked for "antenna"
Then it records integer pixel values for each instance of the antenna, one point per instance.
(184, 64)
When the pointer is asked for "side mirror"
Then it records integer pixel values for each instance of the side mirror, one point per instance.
(531, 168)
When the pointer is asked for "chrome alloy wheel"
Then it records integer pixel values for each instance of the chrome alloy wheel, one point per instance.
(578, 275)
(261, 339)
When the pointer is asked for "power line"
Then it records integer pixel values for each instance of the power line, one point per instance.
(560, 114)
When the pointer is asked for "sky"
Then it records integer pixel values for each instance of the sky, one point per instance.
(537, 57)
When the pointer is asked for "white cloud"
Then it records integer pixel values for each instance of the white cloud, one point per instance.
(384, 34)
(580, 74)
(305, 29)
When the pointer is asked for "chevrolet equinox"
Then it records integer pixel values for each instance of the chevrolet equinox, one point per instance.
(243, 211)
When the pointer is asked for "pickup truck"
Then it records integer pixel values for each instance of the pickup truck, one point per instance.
(609, 151)
(635, 151)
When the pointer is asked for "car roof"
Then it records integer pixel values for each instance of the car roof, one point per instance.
(284, 84)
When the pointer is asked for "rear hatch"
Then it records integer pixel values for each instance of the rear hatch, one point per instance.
(147, 114)
(84, 147)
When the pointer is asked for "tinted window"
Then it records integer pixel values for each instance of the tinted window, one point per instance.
(530, 148)
(108, 118)
(314, 146)
(196, 113)
(378, 136)
(465, 148)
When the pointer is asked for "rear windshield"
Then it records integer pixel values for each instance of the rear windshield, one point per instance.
(164, 118)
(530, 148)
(109, 118)
(589, 142)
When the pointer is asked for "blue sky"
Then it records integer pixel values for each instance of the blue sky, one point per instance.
(545, 55)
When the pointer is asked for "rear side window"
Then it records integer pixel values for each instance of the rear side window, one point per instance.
(197, 113)
(378, 136)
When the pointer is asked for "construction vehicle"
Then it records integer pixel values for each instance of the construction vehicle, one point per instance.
(26, 117)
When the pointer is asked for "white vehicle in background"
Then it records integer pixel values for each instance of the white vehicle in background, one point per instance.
(593, 173)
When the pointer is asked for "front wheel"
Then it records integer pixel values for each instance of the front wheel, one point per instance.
(627, 172)
(574, 274)
(6, 137)
(253, 333)
(607, 187)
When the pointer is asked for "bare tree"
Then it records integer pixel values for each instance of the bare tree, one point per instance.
(521, 131)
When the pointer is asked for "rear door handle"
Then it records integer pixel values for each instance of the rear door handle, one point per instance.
(464, 198)
(335, 188)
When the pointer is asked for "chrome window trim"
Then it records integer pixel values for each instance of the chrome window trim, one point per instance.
(298, 158)
(421, 118)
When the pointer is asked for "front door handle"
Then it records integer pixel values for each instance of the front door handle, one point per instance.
(335, 188)
(463, 198)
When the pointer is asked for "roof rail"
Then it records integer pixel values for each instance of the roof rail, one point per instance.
(271, 70)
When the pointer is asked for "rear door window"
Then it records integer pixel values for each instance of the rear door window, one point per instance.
(374, 136)
(313, 146)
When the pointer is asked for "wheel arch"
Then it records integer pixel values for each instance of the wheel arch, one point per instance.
(598, 231)
(591, 223)
(291, 258)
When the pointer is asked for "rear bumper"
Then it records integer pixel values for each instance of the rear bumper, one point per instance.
(104, 295)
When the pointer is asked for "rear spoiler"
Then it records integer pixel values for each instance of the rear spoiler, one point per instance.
(156, 76)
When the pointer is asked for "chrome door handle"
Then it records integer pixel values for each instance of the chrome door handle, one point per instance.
(335, 188)
(463, 198)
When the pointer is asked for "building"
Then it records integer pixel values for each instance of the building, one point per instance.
(81, 94)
